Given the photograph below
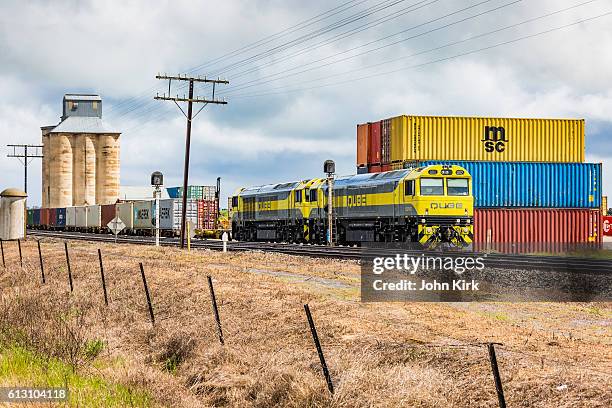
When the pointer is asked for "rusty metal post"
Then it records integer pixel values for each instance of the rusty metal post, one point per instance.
(2, 249)
(146, 288)
(315, 337)
(68, 264)
(20, 257)
(103, 280)
(42, 267)
(496, 376)
(215, 309)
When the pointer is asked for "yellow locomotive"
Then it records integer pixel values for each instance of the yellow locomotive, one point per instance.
(430, 205)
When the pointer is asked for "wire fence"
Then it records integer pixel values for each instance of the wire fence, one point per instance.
(161, 315)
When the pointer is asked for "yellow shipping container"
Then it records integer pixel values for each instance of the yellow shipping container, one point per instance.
(486, 139)
(604, 205)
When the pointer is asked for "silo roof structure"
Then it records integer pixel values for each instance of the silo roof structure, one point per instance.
(13, 192)
(82, 124)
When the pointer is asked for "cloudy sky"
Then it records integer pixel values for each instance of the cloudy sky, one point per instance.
(302, 74)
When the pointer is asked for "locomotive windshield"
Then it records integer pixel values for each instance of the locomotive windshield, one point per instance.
(457, 187)
(432, 186)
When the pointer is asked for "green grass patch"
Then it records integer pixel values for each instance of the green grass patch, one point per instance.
(93, 348)
(21, 367)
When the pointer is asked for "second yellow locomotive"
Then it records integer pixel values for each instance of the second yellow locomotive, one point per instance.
(430, 205)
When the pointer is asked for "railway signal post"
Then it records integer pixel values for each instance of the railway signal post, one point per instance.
(329, 167)
(157, 181)
(189, 115)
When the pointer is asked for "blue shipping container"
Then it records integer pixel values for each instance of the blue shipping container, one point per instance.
(523, 184)
(60, 217)
(173, 192)
(36, 216)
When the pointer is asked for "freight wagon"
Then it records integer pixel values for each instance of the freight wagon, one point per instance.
(138, 216)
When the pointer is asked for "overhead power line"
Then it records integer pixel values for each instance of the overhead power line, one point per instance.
(497, 45)
(362, 14)
(300, 25)
(274, 77)
(282, 33)
(306, 37)
(346, 34)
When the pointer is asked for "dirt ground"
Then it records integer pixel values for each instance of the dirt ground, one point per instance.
(379, 354)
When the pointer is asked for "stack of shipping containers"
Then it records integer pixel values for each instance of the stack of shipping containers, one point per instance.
(206, 207)
(530, 182)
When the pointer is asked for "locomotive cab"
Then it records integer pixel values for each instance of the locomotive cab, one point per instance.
(441, 196)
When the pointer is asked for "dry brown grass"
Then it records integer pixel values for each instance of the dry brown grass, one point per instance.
(379, 354)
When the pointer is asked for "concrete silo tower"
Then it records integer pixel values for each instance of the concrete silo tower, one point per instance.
(80, 156)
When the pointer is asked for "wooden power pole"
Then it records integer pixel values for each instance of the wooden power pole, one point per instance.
(189, 115)
(20, 151)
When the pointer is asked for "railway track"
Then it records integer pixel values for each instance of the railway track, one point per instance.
(493, 260)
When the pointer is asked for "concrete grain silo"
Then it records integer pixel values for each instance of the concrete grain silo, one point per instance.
(45, 166)
(59, 158)
(83, 169)
(107, 180)
(80, 156)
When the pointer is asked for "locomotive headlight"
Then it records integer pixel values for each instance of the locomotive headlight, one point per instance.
(423, 221)
(426, 212)
(468, 221)
(458, 220)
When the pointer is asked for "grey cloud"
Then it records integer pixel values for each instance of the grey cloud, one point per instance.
(116, 49)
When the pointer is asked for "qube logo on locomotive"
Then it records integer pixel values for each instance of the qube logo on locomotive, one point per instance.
(446, 205)
(356, 200)
(494, 139)
(264, 205)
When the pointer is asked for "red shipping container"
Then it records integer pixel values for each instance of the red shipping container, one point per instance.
(374, 168)
(52, 217)
(363, 143)
(108, 212)
(607, 225)
(386, 167)
(207, 214)
(385, 141)
(525, 227)
(374, 154)
(44, 216)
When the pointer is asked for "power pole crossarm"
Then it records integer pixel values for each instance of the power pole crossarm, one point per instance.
(177, 99)
(190, 101)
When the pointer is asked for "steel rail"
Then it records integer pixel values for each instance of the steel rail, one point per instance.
(493, 260)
